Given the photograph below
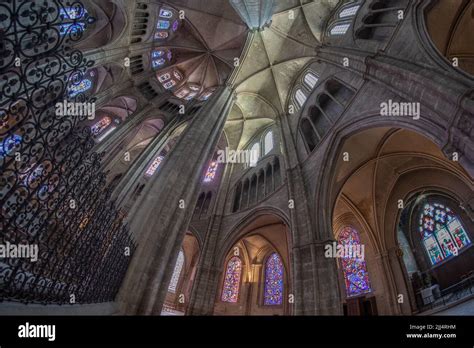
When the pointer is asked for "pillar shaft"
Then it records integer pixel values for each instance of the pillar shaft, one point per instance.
(136, 170)
(162, 215)
(315, 282)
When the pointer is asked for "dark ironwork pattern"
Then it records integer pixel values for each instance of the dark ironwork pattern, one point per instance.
(52, 193)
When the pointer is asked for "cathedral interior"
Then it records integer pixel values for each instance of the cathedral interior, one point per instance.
(237, 157)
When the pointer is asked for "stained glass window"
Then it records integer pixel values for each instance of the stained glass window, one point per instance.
(191, 95)
(354, 267)
(160, 35)
(157, 53)
(441, 231)
(178, 76)
(106, 133)
(154, 166)
(349, 11)
(175, 25)
(268, 142)
(176, 272)
(164, 77)
(163, 24)
(9, 144)
(182, 92)
(300, 97)
(156, 63)
(254, 154)
(310, 80)
(71, 13)
(97, 128)
(273, 281)
(340, 29)
(206, 94)
(164, 13)
(160, 58)
(230, 290)
(211, 172)
(169, 84)
(81, 87)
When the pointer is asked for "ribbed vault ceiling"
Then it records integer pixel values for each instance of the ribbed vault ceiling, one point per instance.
(213, 35)
(205, 45)
(273, 59)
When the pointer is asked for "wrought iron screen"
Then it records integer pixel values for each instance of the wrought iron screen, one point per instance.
(52, 193)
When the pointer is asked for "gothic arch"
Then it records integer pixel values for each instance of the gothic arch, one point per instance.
(442, 28)
(107, 76)
(254, 243)
(136, 141)
(409, 172)
(123, 106)
(109, 26)
(238, 229)
(345, 130)
(177, 301)
(451, 270)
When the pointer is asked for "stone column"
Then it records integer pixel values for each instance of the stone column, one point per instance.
(206, 284)
(136, 170)
(204, 294)
(164, 212)
(315, 280)
(123, 131)
(387, 301)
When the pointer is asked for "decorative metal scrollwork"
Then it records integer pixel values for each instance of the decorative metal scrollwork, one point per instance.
(52, 193)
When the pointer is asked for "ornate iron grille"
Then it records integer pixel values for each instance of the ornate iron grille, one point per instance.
(52, 192)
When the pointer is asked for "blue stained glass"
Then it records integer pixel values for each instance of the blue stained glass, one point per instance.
(9, 144)
(163, 24)
(441, 231)
(440, 216)
(354, 268)
(74, 28)
(81, 87)
(72, 13)
(166, 13)
(273, 280)
(158, 62)
(157, 54)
